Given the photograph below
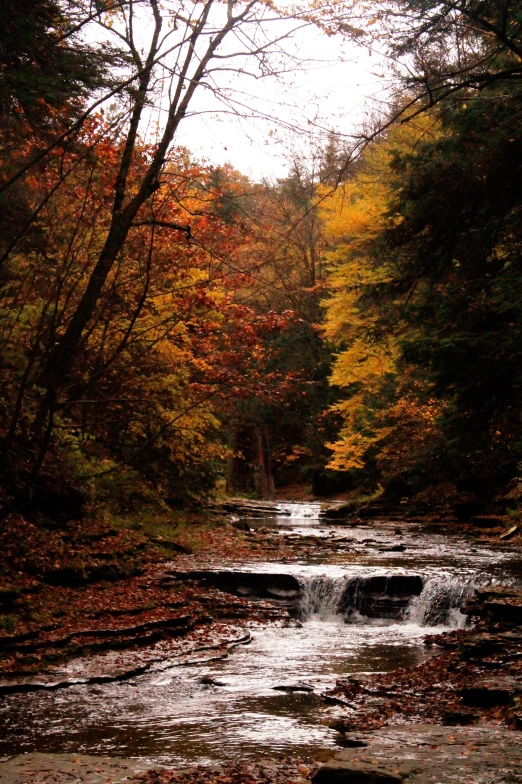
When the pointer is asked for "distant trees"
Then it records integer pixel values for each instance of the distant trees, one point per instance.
(280, 438)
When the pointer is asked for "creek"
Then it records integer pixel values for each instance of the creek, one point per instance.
(362, 613)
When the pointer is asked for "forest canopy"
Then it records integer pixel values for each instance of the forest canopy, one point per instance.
(168, 324)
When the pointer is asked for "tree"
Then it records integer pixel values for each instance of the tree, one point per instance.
(189, 49)
(46, 69)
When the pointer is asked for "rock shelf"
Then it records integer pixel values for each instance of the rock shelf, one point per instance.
(425, 754)
(40, 768)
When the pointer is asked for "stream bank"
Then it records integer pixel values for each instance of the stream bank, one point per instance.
(324, 587)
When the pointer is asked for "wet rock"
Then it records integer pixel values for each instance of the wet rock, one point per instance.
(465, 509)
(243, 507)
(294, 687)
(348, 742)
(504, 611)
(208, 680)
(248, 584)
(484, 594)
(240, 525)
(395, 548)
(395, 585)
(454, 718)
(481, 645)
(487, 521)
(338, 510)
(381, 596)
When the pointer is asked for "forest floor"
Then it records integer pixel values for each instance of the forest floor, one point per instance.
(100, 593)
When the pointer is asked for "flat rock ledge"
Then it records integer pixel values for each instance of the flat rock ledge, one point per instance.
(39, 768)
(427, 754)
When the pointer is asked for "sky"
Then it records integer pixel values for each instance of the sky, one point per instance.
(335, 92)
(333, 89)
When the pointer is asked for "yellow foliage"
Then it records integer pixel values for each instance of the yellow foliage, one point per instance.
(355, 215)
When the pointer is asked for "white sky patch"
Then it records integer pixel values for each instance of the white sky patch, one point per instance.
(246, 115)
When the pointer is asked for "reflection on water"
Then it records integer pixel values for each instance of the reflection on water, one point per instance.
(169, 715)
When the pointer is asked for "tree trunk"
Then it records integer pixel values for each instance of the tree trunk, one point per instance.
(250, 467)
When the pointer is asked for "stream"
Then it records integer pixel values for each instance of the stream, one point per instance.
(363, 614)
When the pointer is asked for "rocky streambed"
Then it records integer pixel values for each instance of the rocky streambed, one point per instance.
(309, 648)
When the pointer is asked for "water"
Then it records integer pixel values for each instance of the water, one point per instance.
(354, 617)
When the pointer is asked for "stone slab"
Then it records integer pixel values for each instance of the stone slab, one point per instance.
(428, 754)
(40, 768)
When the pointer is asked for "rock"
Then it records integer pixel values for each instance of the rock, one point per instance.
(58, 504)
(498, 593)
(349, 742)
(208, 680)
(8, 594)
(338, 510)
(481, 645)
(488, 693)
(504, 611)
(465, 509)
(428, 754)
(240, 525)
(295, 687)
(395, 548)
(381, 596)
(455, 718)
(176, 547)
(487, 521)
(258, 585)
(509, 533)
(395, 585)
(356, 773)
(37, 768)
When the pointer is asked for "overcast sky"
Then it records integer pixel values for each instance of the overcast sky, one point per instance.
(336, 84)
(339, 86)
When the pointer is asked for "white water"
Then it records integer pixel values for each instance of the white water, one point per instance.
(440, 601)
(438, 604)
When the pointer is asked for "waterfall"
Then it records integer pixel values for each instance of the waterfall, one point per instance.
(390, 597)
(321, 597)
(306, 511)
(440, 601)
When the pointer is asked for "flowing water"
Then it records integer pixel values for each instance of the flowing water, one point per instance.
(363, 614)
